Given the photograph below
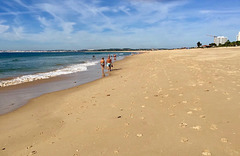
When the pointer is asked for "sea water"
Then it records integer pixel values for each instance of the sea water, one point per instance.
(17, 68)
(68, 69)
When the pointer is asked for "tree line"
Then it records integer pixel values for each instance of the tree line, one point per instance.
(227, 44)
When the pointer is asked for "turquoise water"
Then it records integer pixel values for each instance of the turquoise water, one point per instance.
(17, 68)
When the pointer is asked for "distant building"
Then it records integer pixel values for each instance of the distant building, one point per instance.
(220, 40)
(238, 36)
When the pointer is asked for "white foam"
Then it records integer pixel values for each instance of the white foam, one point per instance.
(38, 76)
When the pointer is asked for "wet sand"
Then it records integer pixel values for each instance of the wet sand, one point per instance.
(13, 97)
(176, 102)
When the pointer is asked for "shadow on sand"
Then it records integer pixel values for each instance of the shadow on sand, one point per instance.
(117, 69)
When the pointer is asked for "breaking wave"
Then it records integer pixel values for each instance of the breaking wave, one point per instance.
(39, 76)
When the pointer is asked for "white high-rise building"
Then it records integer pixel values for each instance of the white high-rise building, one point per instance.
(238, 36)
(220, 40)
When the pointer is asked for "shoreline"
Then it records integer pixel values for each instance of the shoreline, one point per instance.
(15, 96)
(183, 102)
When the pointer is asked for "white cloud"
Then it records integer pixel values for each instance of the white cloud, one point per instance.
(67, 27)
(3, 28)
(219, 12)
(128, 23)
(18, 32)
(44, 21)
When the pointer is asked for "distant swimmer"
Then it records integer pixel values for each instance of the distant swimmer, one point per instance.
(109, 63)
(102, 63)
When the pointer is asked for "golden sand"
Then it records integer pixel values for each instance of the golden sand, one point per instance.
(176, 102)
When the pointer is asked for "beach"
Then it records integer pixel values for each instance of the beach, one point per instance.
(168, 102)
(22, 80)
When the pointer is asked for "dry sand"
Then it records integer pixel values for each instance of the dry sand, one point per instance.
(178, 102)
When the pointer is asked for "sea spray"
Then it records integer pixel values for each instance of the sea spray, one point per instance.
(38, 76)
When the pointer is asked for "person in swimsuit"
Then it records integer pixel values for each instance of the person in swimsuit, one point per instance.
(102, 63)
(109, 63)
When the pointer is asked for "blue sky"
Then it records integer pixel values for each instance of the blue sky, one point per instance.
(96, 24)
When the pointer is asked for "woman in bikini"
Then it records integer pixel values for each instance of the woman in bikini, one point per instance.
(102, 63)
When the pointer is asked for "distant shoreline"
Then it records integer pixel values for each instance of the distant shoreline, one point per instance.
(111, 50)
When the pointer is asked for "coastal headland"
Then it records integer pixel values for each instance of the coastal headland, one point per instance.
(170, 102)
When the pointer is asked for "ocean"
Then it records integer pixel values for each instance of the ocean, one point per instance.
(17, 68)
(58, 70)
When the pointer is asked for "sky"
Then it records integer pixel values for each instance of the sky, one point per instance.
(98, 24)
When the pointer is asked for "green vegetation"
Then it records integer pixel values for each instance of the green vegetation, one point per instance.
(230, 44)
(227, 44)
(199, 44)
(212, 45)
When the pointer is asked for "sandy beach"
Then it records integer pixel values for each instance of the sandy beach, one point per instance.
(171, 102)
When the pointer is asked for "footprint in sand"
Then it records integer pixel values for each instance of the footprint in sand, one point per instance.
(173, 106)
(225, 93)
(33, 152)
(172, 114)
(184, 102)
(97, 129)
(160, 90)
(224, 140)
(180, 94)
(196, 127)
(143, 106)
(126, 124)
(126, 135)
(184, 140)
(139, 135)
(29, 147)
(228, 98)
(183, 124)
(197, 109)
(166, 95)
(206, 153)
(202, 116)
(189, 113)
(146, 97)
(213, 127)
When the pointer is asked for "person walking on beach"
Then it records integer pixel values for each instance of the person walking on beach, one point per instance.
(102, 63)
(109, 63)
(115, 57)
